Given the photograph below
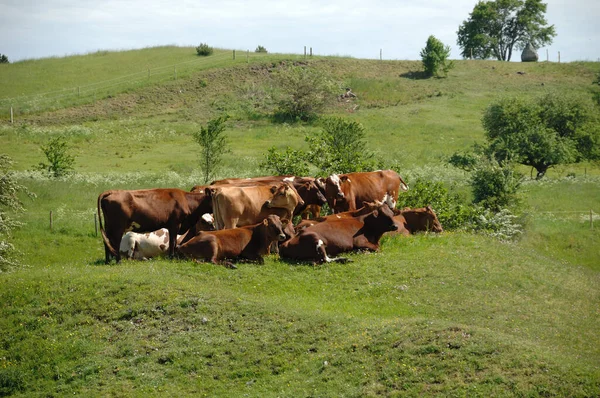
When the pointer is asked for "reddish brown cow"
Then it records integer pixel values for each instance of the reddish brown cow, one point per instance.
(306, 186)
(250, 242)
(237, 206)
(331, 237)
(346, 192)
(414, 220)
(367, 208)
(147, 210)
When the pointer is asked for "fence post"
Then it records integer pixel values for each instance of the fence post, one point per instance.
(304, 52)
(247, 56)
(96, 223)
(381, 54)
(311, 51)
(547, 58)
(12, 120)
(234, 55)
(175, 72)
(50, 220)
(591, 219)
(559, 57)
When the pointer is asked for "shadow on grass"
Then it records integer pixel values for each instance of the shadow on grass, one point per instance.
(415, 75)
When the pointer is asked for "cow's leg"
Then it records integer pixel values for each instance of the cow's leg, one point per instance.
(172, 240)
(322, 253)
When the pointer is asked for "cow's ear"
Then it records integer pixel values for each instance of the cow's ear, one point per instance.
(208, 191)
(344, 179)
(375, 213)
(273, 188)
(307, 185)
(266, 222)
(285, 222)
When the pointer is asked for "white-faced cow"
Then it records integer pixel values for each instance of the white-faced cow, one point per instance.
(347, 192)
(250, 242)
(147, 210)
(328, 238)
(237, 206)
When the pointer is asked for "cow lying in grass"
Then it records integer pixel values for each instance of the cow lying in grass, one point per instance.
(416, 220)
(316, 243)
(250, 242)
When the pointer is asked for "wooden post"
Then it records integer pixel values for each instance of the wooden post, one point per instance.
(311, 51)
(234, 55)
(50, 220)
(559, 57)
(381, 54)
(471, 52)
(304, 52)
(247, 56)
(12, 120)
(547, 58)
(96, 223)
(175, 73)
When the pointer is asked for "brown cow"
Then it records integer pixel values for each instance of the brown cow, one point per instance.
(367, 208)
(147, 210)
(237, 206)
(250, 242)
(331, 237)
(306, 186)
(414, 220)
(346, 192)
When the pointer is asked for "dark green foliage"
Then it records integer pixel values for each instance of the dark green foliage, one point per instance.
(435, 58)
(341, 147)
(213, 145)
(3, 59)
(494, 186)
(290, 162)
(541, 133)
(204, 49)
(60, 162)
(260, 49)
(494, 28)
(452, 210)
(304, 92)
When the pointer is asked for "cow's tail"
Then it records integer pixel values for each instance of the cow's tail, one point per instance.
(104, 237)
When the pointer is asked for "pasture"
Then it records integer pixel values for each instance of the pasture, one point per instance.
(455, 314)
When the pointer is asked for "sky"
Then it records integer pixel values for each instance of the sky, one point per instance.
(398, 28)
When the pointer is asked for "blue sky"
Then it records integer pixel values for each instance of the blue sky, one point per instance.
(43, 28)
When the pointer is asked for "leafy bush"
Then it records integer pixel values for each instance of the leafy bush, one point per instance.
(3, 59)
(213, 145)
(290, 162)
(260, 49)
(495, 186)
(435, 57)
(60, 162)
(341, 147)
(204, 49)
(304, 91)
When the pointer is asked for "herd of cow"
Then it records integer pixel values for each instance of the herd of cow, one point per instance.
(244, 219)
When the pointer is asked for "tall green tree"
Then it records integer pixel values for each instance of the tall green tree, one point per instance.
(213, 145)
(494, 28)
(542, 132)
(435, 57)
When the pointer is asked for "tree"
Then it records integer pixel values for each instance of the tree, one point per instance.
(290, 162)
(3, 59)
(542, 132)
(9, 201)
(204, 50)
(494, 28)
(340, 147)
(214, 145)
(260, 49)
(60, 162)
(435, 57)
(304, 93)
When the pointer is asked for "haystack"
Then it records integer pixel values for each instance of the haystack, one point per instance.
(529, 54)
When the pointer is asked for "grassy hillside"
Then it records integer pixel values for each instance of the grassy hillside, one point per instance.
(455, 314)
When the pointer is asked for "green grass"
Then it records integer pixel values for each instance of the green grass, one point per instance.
(450, 315)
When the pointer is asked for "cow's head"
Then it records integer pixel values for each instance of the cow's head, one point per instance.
(311, 193)
(284, 196)
(381, 219)
(275, 228)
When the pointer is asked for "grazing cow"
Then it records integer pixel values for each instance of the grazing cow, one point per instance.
(306, 186)
(237, 206)
(147, 210)
(367, 208)
(346, 192)
(331, 237)
(414, 220)
(250, 242)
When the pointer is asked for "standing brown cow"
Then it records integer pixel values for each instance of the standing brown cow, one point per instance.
(147, 210)
(347, 192)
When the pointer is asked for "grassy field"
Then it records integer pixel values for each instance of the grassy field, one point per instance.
(454, 314)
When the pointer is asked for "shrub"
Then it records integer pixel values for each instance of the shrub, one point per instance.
(204, 49)
(260, 49)
(303, 93)
(341, 147)
(3, 59)
(435, 57)
(60, 162)
(213, 145)
(290, 162)
(495, 186)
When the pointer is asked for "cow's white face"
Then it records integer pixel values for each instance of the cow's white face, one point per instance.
(337, 183)
(389, 200)
(208, 218)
